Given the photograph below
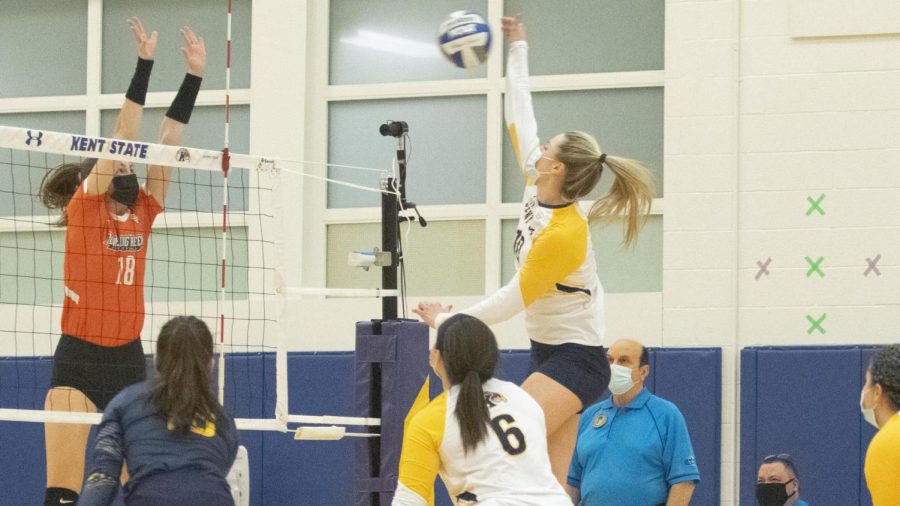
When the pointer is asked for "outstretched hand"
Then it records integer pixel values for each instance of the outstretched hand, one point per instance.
(194, 51)
(146, 45)
(513, 28)
(428, 311)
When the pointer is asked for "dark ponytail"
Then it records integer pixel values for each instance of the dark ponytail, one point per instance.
(181, 391)
(469, 351)
(60, 184)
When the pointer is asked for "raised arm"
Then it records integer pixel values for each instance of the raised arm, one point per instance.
(518, 110)
(171, 131)
(128, 122)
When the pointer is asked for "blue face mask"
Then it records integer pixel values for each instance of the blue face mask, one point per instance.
(125, 189)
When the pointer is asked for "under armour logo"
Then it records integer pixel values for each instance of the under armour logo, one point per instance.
(35, 138)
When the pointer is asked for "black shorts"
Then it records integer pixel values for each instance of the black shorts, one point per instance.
(582, 369)
(99, 372)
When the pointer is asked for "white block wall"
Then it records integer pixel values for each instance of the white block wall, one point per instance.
(756, 122)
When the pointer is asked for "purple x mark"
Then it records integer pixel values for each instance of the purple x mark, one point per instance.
(872, 266)
(763, 268)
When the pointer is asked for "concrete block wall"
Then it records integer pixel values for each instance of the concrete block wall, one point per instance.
(757, 122)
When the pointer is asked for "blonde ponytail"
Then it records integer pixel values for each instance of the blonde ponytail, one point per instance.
(632, 190)
(631, 195)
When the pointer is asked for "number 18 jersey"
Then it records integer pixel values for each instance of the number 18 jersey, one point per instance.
(510, 467)
(104, 268)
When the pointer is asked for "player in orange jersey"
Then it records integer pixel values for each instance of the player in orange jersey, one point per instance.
(108, 216)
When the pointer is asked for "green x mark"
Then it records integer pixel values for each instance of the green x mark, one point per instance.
(816, 324)
(814, 267)
(814, 205)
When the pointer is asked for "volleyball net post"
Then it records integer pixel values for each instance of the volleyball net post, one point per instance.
(391, 354)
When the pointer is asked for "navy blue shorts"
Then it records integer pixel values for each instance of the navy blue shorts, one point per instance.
(181, 487)
(583, 370)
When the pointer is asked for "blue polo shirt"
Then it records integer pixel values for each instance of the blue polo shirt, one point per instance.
(631, 455)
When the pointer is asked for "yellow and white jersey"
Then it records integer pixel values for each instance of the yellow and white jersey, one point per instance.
(556, 282)
(510, 467)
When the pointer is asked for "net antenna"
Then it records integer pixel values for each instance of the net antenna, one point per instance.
(226, 164)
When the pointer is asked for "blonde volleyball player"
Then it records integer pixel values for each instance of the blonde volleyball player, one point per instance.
(108, 218)
(556, 283)
(485, 437)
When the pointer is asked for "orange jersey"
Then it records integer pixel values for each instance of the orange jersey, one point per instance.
(104, 269)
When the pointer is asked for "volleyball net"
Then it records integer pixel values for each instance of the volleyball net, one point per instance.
(212, 253)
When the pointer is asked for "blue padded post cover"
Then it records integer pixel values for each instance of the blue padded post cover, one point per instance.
(391, 369)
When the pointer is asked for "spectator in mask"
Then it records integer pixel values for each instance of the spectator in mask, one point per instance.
(634, 447)
(777, 482)
(879, 402)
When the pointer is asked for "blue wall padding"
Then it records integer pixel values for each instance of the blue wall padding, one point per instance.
(398, 351)
(692, 380)
(804, 401)
(284, 471)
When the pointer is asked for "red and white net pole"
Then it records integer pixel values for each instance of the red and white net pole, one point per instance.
(226, 163)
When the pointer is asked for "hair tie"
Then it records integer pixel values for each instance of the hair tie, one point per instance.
(602, 159)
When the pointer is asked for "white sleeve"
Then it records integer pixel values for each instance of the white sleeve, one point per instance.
(517, 107)
(499, 307)
(403, 496)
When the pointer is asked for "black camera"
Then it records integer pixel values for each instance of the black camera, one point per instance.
(394, 128)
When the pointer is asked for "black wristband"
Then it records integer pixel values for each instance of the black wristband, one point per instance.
(137, 91)
(183, 105)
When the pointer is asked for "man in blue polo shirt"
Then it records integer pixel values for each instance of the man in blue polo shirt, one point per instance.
(633, 449)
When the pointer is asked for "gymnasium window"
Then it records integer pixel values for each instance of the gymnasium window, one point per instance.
(50, 42)
(596, 66)
(383, 41)
(207, 18)
(451, 266)
(446, 159)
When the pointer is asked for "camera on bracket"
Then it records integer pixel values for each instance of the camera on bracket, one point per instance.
(393, 128)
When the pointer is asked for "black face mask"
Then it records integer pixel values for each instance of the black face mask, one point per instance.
(772, 494)
(125, 189)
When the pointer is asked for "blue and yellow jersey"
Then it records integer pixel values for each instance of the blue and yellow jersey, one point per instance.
(132, 432)
(883, 464)
(556, 282)
(510, 467)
